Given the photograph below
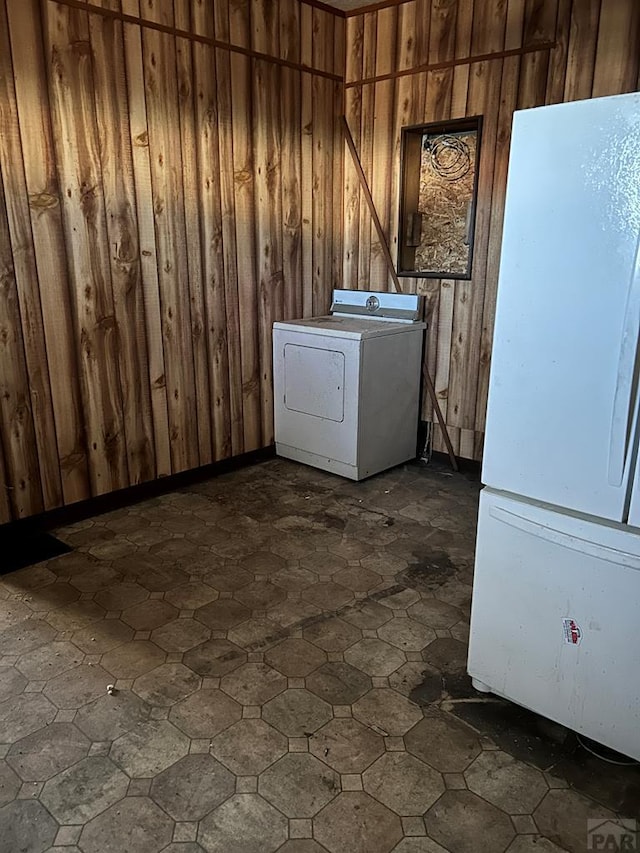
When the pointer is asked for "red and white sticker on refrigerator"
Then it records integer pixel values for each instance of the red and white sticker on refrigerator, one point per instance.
(571, 631)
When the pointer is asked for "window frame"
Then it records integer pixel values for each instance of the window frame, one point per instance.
(417, 131)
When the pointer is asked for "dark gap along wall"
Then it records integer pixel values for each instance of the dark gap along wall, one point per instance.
(163, 199)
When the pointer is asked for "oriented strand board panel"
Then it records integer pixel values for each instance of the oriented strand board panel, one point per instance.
(564, 50)
(157, 214)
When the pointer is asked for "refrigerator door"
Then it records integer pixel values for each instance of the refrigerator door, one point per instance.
(555, 617)
(562, 397)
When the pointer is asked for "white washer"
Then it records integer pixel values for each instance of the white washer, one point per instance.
(347, 385)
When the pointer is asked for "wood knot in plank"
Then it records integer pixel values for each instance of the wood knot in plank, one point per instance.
(43, 201)
(142, 139)
(243, 176)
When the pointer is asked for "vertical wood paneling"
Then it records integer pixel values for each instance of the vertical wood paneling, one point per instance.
(38, 393)
(165, 204)
(618, 48)
(207, 200)
(163, 116)
(158, 215)
(353, 112)
(595, 51)
(139, 142)
(41, 186)
(229, 248)
(194, 211)
(306, 158)
(121, 218)
(17, 432)
(245, 241)
(77, 153)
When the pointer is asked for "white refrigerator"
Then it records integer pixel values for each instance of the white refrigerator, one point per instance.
(555, 622)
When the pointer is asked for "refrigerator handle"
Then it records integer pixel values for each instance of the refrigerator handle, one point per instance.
(627, 380)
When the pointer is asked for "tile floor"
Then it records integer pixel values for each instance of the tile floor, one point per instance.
(288, 655)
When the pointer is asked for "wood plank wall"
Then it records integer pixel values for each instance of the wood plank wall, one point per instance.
(161, 196)
(563, 50)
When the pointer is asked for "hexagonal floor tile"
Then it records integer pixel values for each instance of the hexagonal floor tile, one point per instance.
(260, 595)
(245, 823)
(384, 709)
(51, 597)
(162, 578)
(367, 615)
(133, 659)
(351, 548)
(407, 634)
(375, 657)
(446, 654)
(149, 748)
(135, 823)
(117, 596)
(358, 579)
(299, 785)
(167, 684)
(403, 783)
(26, 826)
(461, 821)
(222, 614)
(23, 714)
(110, 716)
(332, 635)
(149, 615)
(294, 578)
(192, 787)
(95, 578)
(443, 743)
(262, 563)
(254, 634)
(249, 747)
(323, 563)
(346, 745)
(368, 825)
(44, 753)
(253, 683)
(102, 637)
(9, 784)
(505, 782)
(180, 635)
(205, 714)
(338, 683)
(533, 844)
(77, 687)
(75, 616)
(85, 790)
(301, 845)
(49, 661)
(434, 613)
(297, 712)
(562, 816)
(25, 636)
(215, 658)
(295, 658)
(421, 844)
(12, 682)
(174, 549)
(328, 596)
(192, 595)
(229, 578)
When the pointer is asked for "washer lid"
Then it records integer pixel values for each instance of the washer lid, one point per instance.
(400, 307)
